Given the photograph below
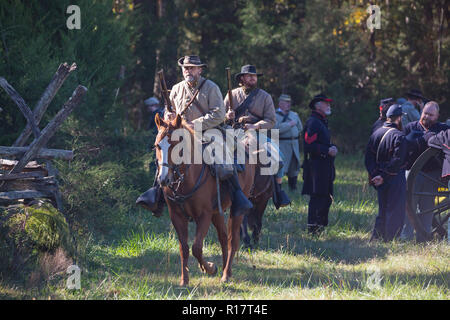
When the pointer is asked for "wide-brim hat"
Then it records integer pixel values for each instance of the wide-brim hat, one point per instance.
(319, 97)
(247, 69)
(415, 93)
(191, 61)
(285, 97)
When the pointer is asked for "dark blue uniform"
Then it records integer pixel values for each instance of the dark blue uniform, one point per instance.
(378, 124)
(419, 145)
(318, 170)
(417, 136)
(386, 157)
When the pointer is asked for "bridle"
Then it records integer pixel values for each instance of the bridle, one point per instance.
(179, 177)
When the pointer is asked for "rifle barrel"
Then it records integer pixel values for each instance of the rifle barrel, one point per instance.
(230, 100)
(164, 91)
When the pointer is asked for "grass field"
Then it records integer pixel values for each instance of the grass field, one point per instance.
(143, 262)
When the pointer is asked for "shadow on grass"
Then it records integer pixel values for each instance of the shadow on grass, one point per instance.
(310, 277)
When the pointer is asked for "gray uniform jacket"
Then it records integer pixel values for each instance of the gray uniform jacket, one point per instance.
(207, 109)
(289, 141)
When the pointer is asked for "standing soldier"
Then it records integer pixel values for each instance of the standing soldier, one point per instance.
(417, 134)
(290, 126)
(254, 107)
(410, 112)
(197, 100)
(385, 161)
(318, 164)
(384, 107)
(153, 108)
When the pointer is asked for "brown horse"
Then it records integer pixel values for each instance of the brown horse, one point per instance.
(260, 194)
(191, 195)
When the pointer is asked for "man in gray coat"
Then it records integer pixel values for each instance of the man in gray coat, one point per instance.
(411, 107)
(289, 126)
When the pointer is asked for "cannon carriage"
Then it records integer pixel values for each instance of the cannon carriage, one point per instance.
(428, 194)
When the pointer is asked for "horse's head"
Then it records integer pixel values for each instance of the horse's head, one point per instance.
(164, 145)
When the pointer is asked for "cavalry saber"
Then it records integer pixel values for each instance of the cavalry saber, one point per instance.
(164, 90)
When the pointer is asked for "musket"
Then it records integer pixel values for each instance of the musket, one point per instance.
(164, 90)
(230, 97)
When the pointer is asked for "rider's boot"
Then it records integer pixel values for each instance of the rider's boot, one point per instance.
(280, 198)
(152, 199)
(240, 203)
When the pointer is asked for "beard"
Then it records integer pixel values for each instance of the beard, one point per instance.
(189, 78)
(427, 123)
(248, 84)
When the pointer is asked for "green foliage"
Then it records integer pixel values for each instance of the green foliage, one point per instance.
(29, 232)
(35, 40)
(100, 194)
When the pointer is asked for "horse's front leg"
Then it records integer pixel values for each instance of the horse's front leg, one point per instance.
(203, 223)
(180, 224)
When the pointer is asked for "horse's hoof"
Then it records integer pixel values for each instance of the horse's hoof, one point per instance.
(215, 270)
(184, 283)
(225, 279)
(213, 267)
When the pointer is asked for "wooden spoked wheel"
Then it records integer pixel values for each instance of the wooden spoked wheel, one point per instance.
(428, 193)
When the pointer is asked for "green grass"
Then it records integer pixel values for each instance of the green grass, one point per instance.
(144, 262)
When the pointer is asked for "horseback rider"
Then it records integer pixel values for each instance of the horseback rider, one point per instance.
(254, 108)
(200, 103)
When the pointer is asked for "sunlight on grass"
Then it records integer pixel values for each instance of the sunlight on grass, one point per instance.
(288, 263)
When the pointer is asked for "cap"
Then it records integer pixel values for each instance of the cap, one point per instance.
(394, 110)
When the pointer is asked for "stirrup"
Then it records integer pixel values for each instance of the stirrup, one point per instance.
(151, 200)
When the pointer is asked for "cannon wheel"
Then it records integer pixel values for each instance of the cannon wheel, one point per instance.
(439, 191)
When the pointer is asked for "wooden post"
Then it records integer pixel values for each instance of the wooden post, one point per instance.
(50, 129)
(21, 104)
(43, 153)
(58, 79)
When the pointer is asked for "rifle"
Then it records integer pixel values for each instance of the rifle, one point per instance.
(164, 91)
(230, 98)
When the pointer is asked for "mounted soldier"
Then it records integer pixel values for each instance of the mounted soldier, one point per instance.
(199, 101)
(290, 126)
(254, 109)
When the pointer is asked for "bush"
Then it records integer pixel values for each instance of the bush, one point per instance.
(30, 232)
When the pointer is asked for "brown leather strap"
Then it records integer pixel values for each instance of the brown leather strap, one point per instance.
(193, 99)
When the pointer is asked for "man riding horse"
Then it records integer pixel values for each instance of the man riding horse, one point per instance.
(254, 109)
(200, 103)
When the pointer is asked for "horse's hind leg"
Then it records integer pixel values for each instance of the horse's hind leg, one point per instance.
(234, 226)
(258, 213)
(197, 247)
(244, 231)
(219, 222)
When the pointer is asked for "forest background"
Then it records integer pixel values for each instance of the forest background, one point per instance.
(302, 47)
